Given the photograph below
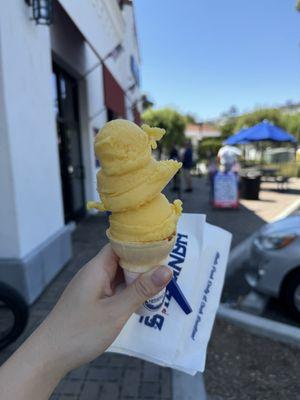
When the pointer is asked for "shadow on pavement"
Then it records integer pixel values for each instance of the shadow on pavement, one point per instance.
(268, 201)
(292, 188)
(285, 191)
(241, 222)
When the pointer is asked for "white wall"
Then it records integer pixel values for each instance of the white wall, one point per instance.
(128, 105)
(104, 26)
(100, 21)
(73, 53)
(9, 240)
(30, 127)
(209, 134)
(193, 135)
(31, 199)
(131, 48)
(96, 117)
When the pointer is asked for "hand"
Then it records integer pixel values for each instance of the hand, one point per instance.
(86, 320)
(89, 315)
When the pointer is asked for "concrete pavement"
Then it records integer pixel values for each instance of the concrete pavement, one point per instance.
(274, 203)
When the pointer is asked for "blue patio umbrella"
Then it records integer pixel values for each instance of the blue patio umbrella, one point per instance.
(260, 132)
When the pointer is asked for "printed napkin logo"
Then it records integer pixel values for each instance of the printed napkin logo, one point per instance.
(156, 302)
(177, 258)
(206, 294)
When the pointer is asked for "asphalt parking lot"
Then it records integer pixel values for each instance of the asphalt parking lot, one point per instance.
(242, 223)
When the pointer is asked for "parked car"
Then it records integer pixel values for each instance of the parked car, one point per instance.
(273, 267)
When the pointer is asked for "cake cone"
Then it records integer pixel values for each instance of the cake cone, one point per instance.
(137, 258)
(141, 257)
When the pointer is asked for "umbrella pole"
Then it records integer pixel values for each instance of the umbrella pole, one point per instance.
(257, 151)
(261, 153)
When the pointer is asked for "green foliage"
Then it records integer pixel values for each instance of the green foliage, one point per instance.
(169, 119)
(209, 147)
(292, 124)
(228, 128)
(288, 122)
(231, 112)
(253, 118)
(190, 119)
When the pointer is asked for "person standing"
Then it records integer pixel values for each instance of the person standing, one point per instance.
(176, 179)
(187, 164)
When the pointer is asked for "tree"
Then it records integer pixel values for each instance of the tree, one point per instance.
(228, 128)
(288, 122)
(291, 124)
(231, 112)
(169, 119)
(274, 115)
(190, 119)
(209, 147)
(146, 102)
(271, 114)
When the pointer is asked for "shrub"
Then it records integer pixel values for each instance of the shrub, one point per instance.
(209, 147)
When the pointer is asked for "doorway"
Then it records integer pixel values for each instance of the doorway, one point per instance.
(69, 143)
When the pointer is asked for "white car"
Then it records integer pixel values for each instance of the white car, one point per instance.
(273, 264)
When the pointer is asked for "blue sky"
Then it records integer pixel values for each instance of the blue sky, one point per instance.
(202, 56)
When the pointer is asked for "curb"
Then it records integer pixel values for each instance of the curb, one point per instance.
(187, 387)
(261, 326)
(287, 211)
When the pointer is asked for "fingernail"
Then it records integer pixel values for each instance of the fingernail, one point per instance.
(161, 276)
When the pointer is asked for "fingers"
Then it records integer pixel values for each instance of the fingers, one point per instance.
(108, 260)
(100, 272)
(144, 287)
(118, 279)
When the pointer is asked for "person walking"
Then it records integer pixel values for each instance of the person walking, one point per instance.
(187, 164)
(212, 169)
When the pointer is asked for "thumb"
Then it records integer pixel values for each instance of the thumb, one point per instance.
(143, 288)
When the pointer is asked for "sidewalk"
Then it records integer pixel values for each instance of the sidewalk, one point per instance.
(239, 366)
(272, 202)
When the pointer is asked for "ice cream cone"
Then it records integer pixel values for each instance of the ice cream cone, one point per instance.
(142, 221)
(137, 258)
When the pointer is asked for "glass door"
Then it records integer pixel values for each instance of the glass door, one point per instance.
(69, 143)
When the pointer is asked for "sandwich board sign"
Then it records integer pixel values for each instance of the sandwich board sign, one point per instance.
(225, 190)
